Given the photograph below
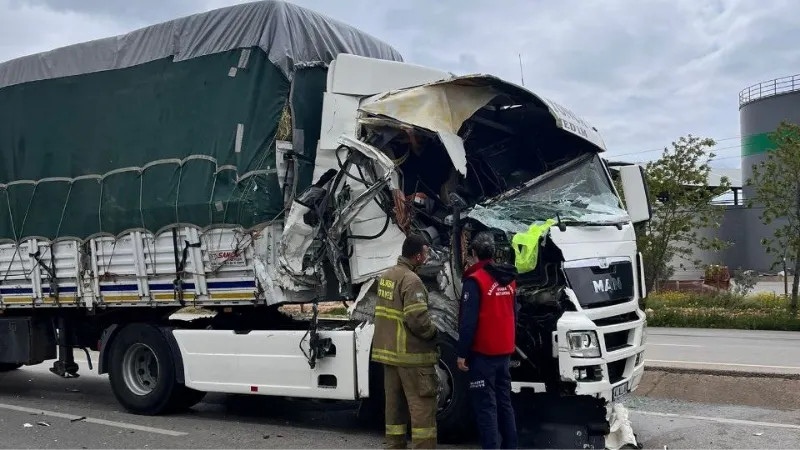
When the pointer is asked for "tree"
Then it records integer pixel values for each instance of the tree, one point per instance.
(777, 192)
(681, 199)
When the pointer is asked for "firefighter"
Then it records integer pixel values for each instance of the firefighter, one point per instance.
(487, 340)
(404, 343)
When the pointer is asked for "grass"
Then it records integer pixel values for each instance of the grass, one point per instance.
(723, 310)
(339, 311)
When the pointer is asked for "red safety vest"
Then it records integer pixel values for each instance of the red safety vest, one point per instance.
(496, 329)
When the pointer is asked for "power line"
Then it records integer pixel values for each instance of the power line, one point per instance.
(739, 147)
(718, 149)
(662, 148)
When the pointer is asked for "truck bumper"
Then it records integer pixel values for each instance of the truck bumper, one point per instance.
(550, 420)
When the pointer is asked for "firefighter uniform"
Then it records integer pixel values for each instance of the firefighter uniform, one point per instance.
(404, 343)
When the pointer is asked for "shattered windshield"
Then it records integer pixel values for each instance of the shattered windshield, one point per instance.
(578, 194)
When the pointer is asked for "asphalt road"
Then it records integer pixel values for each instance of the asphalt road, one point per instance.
(729, 350)
(83, 413)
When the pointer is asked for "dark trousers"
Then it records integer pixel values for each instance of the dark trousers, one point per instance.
(490, 391)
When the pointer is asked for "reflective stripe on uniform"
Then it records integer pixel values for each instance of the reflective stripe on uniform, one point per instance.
(414, 307)
(423, 433)
(391, 357)
(388, 313)
(400, 329)
(396, 430)
(401, 355)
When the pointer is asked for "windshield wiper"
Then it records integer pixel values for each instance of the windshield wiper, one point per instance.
(562, 224)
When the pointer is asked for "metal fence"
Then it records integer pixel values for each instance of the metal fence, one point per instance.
(769, 88)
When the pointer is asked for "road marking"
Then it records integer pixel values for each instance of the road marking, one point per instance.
(110, 423)
(720, 420)
(676, 345)
(703, 363)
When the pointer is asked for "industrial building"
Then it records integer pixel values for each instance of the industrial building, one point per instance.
(762, 107)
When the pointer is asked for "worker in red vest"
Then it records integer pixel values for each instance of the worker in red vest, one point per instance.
(487, 340)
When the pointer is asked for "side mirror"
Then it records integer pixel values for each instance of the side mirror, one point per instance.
(634, 189)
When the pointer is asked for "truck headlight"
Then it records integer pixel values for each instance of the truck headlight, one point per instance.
(583, 344)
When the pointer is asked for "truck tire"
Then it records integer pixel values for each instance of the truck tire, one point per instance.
(456, 420)
(185, 398)
(8, 367)
(142, 371)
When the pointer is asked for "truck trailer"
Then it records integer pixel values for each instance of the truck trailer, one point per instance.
(263, 155)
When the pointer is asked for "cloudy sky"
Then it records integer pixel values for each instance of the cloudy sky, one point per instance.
(644, 72)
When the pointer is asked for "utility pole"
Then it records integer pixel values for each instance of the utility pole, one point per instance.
(521, 72)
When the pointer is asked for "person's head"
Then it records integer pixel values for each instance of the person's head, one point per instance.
(482, 246)
(415, 249)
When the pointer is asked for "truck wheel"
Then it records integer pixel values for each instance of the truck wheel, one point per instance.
(455, 416)
(142, 371)
(8, 367)
(185, 398)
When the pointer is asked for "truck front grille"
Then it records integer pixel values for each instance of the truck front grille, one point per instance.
(616, 370)
(617, 340)
(616, 320)
(600, 284)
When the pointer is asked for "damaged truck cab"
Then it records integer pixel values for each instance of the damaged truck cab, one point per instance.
(404, 149)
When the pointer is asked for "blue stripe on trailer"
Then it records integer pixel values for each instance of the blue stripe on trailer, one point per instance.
(169, 286)
(71, 289)
(15, 291)
(231, 284)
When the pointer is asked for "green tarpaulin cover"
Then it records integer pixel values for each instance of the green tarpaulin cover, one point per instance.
(172, 124)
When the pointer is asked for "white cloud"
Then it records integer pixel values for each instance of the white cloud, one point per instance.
(644, 73)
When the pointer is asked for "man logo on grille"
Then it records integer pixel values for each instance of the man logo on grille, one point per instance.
(607, 285)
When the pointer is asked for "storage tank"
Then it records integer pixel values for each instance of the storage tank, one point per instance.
(762, 107)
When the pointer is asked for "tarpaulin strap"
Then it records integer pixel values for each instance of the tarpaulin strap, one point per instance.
(180, 265)
(526, 246)
(51, 270)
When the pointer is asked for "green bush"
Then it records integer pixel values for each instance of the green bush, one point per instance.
(723, 299)
(763, 311)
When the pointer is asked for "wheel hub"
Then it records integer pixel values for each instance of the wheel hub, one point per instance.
(140, 369)
(444, 394)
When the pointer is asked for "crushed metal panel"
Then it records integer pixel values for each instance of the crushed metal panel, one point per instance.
(371, 257)
(444, 105)
(298, 236)
(441, 108)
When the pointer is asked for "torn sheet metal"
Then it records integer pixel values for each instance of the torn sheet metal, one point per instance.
(298, 235)
(297, 238)
(348, 213)
(441, 108)
(621, 433)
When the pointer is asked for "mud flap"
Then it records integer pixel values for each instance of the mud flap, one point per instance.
(553, 421)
